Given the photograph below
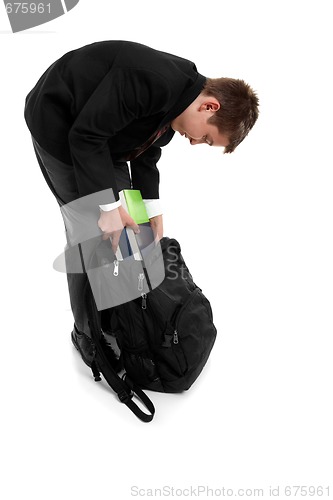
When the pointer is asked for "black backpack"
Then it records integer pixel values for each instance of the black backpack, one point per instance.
(162, 339)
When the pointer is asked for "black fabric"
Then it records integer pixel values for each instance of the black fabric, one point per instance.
(61, 179)
(97, 104)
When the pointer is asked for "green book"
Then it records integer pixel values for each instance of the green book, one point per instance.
(132, 202)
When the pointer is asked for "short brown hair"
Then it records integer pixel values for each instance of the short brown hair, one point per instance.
(239, 108)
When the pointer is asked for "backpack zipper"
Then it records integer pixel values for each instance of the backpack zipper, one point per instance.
(175, 337)
(181, 311)
(141, 277)
(143, 301)
(115, 267)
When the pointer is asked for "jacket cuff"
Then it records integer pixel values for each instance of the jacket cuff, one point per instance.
(110, 206)
(153, 208)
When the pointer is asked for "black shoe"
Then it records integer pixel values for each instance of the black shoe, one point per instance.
(84, 345)
(87, 349)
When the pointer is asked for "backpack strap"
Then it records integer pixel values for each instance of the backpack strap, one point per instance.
(135, 390)
(124, 387)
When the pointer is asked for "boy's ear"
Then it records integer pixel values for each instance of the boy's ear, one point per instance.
(210, 104)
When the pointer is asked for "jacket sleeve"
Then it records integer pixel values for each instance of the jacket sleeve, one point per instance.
(145, 174)
(109, 109)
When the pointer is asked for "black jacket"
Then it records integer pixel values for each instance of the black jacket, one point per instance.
(98, 103)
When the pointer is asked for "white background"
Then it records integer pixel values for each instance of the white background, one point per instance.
(260, 246)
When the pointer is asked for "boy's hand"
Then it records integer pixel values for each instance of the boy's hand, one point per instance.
(157, 227)
(113, 222)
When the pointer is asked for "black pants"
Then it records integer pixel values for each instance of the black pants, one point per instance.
(61, 180)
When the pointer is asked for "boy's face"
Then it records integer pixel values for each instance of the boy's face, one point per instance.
(193, 123)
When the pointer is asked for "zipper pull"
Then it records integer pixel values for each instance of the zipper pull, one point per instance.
(115, 268)
(175, 337)
(144, 301)
(141, 277)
